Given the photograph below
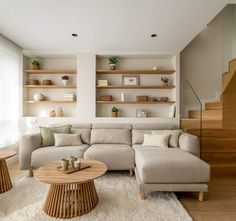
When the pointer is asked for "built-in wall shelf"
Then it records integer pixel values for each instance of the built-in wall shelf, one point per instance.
(52, 101)
(136, 87)
(51, 71)
(135, 102)
(161, 72)
(51, 86)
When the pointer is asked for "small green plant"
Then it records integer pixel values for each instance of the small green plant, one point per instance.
(65, 77)
(114, 109)
(164, 80)
(35, 62)
(113, 60)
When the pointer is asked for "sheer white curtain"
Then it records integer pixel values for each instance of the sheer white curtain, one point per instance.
(10, 65)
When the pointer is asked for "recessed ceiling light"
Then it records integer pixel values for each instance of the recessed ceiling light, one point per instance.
(74, 35)
(153, 35)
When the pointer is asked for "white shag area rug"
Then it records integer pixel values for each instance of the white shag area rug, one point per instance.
(118, 201)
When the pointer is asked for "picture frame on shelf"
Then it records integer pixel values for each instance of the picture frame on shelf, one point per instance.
(141, 113)
(130, 80)
(102, 82)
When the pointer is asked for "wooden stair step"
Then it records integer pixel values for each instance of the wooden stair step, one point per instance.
(223, 169)
(213, 106)
(214, 133)
(195, 124)
(206, 114)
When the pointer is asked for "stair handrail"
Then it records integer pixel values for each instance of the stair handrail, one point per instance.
(201, 105)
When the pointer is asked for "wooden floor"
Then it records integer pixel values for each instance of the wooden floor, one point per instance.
(219, 204)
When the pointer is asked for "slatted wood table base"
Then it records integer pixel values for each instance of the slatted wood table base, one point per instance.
(5, 180)
(70, 200)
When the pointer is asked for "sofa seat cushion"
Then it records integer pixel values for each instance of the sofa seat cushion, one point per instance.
(115, 156)
(172, 165)
(46, 155)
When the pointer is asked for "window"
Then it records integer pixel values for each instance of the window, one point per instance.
(10, 64)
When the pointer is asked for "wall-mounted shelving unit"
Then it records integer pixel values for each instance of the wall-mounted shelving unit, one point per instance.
(52, 69)
(149, 85)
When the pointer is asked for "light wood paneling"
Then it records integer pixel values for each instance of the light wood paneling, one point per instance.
(206, 114)
(41, 102)
(136, 87)
(135, 102)
(213, 106)
(51, 71)
(135, 71)
(50, 86)
(229, 105)
(195, 124)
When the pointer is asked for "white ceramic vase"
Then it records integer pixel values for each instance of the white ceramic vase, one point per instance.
(65, 82)
(38, 97)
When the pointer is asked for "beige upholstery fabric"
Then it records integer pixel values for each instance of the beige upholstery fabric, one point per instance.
(157, 126)
(110, 136)
(84, 134)
(189, 143)
(156, 140)
(115, 156)
(138, 136)
(182, 187)
(67, 140)
(112, 126)
(45, 155)
(172, 165)
(28, 144)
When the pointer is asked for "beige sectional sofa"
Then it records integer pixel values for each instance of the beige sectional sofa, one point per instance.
(120, 147)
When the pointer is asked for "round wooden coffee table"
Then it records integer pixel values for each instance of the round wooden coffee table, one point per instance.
(5, 180)
(70, 195)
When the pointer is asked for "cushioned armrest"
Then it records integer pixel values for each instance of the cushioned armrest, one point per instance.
(28, 144)
(189, 143)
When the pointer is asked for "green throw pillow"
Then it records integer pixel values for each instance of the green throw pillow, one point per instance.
(47, 134)
(174, 136)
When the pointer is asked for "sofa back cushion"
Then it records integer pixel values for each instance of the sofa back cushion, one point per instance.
(83, 129)
(112, 126)
(138, 130)
(110, 136)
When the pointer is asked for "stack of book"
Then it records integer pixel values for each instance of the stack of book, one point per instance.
(69, 97)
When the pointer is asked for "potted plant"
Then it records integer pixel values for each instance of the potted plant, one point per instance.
(114, 112)
(65, 79)
(112, 62)
(165, 81)
(36, 64)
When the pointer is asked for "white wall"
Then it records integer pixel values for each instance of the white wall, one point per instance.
(206, 57)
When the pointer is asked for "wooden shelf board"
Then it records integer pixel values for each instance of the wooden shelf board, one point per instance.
(52, 101)
(51, 71)
(135, 72)
(136, 87)
(135, 102)
(50, 86)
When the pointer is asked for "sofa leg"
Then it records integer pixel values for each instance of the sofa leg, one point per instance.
(201, 196)
(31, 173)
(131, 172)
(142, 195)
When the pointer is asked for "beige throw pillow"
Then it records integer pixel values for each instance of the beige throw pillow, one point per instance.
(174, 136)
(156, 140)
(67, 140)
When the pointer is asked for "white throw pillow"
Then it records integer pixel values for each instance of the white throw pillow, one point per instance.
(67, 140)
(174, 136)
(156, 140)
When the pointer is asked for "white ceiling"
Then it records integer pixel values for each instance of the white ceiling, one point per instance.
(105, 25)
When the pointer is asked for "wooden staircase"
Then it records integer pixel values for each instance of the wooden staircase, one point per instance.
(218, 127)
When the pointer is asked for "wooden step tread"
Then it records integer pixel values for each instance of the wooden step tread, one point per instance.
(206, 114)
(195, 124)
(213, 105)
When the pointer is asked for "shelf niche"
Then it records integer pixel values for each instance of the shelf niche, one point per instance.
(149, 85)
